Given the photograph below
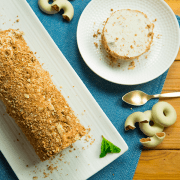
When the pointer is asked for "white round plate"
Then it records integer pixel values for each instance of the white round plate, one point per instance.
(150, 65)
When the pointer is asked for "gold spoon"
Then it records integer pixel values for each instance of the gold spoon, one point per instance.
(139, 98)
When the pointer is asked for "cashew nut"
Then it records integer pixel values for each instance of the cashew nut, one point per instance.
(151, 142)
(133, 118)
(56, 6)
(147, 129)
(164, 114)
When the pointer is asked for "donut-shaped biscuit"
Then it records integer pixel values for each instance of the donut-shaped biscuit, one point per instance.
(56, 6)
(151, 142)
(164, 114)
(133, 118)
(147, 129)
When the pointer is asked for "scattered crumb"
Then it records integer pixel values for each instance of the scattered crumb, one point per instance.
(94, 24)
(150, 34)
(154, 20)
(98, 31)
(158, 36)
(88, 129)
(51, 168)
(96, 44)
(17, 20)
(26, 165)
(131, 65)
(95, 35)
(45, 174)
(111, 9)
(92, 142)
(35, 178)
(86, 139)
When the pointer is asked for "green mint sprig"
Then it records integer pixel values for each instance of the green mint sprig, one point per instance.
(108, 147)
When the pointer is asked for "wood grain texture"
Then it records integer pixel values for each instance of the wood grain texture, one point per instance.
(158, 165)
(175, 6)
(178, 56)
(163, 162)
(172, 82)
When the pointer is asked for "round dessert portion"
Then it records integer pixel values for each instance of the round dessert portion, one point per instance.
(127, 34)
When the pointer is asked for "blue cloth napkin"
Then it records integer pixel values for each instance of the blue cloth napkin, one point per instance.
(108, 95)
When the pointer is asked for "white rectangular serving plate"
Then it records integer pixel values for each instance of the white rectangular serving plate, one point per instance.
(80, 163)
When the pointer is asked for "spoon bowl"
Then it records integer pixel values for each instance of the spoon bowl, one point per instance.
(138, 98)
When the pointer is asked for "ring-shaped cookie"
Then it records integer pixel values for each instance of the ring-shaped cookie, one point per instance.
(56, 6)
(164, 114)
(151, 142)
(66, 6)
(46, 7)
(147, 129)
(133, 118)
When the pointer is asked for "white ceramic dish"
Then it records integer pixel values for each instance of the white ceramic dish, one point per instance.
(149, 66)
(16, 149)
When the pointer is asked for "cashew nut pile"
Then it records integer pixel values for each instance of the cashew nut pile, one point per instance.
(152, 123)
(56, 6)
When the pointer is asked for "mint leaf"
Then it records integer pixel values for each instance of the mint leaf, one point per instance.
(108, 147)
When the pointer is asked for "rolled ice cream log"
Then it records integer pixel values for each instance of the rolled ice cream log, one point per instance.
(33, 100)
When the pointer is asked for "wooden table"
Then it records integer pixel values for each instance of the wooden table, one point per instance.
(163, 162)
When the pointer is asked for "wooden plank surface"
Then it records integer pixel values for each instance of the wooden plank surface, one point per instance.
(175, 6)
(159, 164)
(163, 162)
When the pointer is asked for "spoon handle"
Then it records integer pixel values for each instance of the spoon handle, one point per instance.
(166, 95)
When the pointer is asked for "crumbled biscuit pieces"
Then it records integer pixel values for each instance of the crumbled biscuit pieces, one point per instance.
(131, 65)
(35, 178)
(33, 100)
(96, 44)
